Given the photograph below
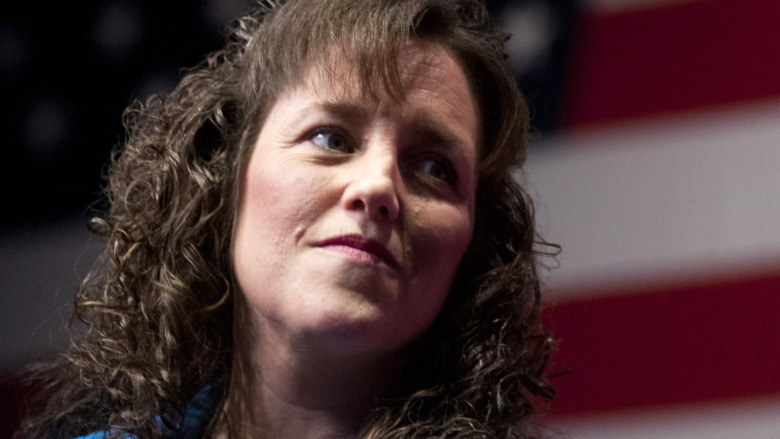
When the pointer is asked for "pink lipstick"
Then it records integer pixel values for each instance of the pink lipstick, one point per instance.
(361, 248)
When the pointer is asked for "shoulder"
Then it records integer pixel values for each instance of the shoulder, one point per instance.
(197, 417)
(105, 435)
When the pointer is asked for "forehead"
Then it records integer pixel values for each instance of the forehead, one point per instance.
(425, 86)
(419, 65)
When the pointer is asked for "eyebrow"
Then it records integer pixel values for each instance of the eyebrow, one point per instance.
(344, 110)
(437, 132)
(430, 128)
(421, 125)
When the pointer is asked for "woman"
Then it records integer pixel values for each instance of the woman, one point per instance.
(317, 234)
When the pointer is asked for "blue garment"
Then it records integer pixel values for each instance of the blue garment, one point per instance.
(197, 417)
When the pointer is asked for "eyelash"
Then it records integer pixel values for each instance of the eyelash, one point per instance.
(450, 176)
(332, 130)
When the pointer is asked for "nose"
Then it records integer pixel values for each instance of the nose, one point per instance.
(372, 190)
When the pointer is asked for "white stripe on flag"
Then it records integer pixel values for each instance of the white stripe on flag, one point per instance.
(755, 419)
(659, 201)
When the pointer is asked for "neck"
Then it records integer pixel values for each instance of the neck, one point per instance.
(288, 387)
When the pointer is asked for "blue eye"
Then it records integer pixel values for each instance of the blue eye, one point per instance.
(440, 170)
(332, 139)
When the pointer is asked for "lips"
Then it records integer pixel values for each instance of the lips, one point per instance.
(360, 244)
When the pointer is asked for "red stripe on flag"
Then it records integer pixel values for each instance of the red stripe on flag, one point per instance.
(677, 346)
(673, 58)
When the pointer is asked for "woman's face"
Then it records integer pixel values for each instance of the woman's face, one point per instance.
(354, 214)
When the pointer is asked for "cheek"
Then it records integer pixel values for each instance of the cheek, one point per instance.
(267, 225)
(442, 244)
(439, 246)
(281, 200)
(274, 199)
(261, 221)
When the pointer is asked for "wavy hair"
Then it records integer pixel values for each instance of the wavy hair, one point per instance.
(159, 304)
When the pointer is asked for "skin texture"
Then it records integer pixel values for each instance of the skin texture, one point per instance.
(353, 217)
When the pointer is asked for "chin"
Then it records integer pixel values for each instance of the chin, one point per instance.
(372, 333)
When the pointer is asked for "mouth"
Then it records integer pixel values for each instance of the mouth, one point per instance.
(361, 248)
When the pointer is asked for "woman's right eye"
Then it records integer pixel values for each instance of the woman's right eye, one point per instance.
(334, 139)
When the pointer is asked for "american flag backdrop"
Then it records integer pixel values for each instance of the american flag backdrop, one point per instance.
(662, 185)
(655, 167)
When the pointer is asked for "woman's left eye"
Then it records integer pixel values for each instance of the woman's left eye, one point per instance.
(333, 139)
(440, 169)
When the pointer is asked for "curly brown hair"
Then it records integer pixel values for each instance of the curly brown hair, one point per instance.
(158, 307)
